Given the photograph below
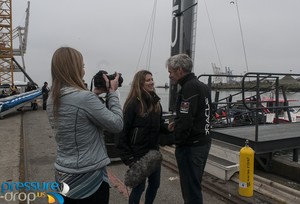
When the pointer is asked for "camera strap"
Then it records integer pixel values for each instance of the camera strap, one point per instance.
(92, 82)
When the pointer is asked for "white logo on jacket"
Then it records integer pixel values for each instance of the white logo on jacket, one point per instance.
(184, 107)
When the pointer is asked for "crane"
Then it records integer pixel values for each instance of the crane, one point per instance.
(8, 64)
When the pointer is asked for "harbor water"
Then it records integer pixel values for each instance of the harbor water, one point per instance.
(163, 93)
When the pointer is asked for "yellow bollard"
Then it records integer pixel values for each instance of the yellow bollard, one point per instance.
(246, 175)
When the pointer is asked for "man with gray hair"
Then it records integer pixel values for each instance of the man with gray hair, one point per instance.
(191, 126)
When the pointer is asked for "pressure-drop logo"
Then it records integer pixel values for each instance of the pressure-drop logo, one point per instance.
(30, 191)
(55, 197)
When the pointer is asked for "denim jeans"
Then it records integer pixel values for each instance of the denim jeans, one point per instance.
(191, 162)
(153, 185)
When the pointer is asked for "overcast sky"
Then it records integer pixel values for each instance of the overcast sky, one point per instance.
(111, 33)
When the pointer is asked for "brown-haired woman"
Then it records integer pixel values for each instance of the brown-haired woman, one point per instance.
(142, 125)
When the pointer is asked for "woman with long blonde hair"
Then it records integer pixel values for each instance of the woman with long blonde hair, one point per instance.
(78, 119)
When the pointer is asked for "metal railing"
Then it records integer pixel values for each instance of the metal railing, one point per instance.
(249, 107)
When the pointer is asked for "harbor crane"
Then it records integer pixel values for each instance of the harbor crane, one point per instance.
(8, 64)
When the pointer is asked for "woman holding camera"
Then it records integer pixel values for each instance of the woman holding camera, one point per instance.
(142, 125)
(78, 119)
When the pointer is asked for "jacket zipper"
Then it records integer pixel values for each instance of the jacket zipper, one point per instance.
(133, 139)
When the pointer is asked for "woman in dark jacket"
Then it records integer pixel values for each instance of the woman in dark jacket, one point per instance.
(142, 125)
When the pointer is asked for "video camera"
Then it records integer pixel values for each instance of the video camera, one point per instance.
(99, 81)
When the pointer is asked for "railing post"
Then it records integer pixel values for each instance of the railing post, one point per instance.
(295, 155)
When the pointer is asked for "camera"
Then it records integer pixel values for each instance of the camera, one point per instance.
(99, 81)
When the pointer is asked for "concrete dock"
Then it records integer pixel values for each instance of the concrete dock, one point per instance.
(28, 151)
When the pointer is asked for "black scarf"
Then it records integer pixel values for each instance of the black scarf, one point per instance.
(150, 98)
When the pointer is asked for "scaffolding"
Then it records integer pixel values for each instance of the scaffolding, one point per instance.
(7, 35)
(6, 47)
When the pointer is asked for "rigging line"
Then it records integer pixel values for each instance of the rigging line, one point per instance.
(180, 13)
(243, 42)
(139, 60)
(151, 35)
(212, 31)
(142, 48)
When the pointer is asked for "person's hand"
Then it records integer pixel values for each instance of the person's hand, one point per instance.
(99, 91)
(112, 85)
(171, 126)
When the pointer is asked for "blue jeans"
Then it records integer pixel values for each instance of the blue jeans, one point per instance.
(153, 185)
(191, 162)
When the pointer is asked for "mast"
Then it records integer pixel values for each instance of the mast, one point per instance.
(183, 40)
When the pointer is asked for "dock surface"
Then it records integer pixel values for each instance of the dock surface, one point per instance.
(266, 139)
(28, 133)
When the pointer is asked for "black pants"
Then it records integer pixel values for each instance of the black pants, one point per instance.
(45, 97)
(101, 196)
(44, 103)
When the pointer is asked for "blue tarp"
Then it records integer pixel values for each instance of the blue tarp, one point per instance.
(12, 101)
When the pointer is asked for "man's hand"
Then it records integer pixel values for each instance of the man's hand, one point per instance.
(171, 126)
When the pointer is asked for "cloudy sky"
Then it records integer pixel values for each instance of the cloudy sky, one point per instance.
(111, 35)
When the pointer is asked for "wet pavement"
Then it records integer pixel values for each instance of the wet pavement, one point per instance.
(30, 131)
(28, 151)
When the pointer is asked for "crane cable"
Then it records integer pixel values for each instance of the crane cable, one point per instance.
(150, 43)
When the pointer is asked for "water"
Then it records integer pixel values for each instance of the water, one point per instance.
(164, 95)
(161, 92)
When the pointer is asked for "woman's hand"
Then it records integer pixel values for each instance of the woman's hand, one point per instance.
(99, 91)
(112, 85)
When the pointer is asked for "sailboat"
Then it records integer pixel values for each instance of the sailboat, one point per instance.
(183, 40)
(166, 86)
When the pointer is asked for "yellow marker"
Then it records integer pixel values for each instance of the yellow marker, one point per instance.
(51, 199)
(246, 175)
